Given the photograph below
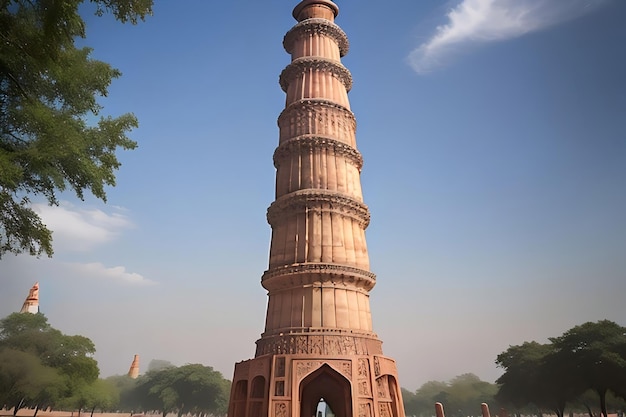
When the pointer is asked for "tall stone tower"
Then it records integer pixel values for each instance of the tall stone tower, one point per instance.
(318, 349)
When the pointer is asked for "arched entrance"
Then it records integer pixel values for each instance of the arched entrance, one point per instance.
(330, 385)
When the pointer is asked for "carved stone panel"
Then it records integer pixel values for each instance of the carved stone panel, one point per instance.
(304, 367)
(346, 369)
(364, 372)
(385, 409)
(376, 366)
(382, 387)
(281, 409)
(365, 409)
(364, 389)
(316, 345)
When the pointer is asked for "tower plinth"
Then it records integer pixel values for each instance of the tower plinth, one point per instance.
(318, 348)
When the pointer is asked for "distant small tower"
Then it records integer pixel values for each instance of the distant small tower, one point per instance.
(31, 304)
(133, 372)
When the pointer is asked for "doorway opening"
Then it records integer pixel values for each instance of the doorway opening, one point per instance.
(325, 391)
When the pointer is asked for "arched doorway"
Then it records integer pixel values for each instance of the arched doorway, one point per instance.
(327, 384)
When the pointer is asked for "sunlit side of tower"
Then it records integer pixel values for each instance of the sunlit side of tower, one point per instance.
(318, 342)
(31, 304)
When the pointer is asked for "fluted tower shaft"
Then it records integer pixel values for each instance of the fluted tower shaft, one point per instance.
(318, 276)
(318, 344)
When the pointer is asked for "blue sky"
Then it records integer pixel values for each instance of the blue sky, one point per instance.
(494, 139)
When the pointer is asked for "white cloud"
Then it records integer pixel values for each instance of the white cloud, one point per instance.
(117, 273)
(81, 229)
(474, 22)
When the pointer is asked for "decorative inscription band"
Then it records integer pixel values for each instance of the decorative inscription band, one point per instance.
(301, 65)
(318, 26)
(312, 344)
(320, 201)
(309, 143)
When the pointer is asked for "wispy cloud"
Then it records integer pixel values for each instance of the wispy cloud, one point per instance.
(475, 22)
(81, 229)
(118, 273)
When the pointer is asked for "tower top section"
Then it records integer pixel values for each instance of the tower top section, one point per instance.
(31, 304)
(307, 9)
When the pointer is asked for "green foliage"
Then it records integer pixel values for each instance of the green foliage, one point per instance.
(158, 364)
(191, 388)
(41, 363)
(49, 90)
(127, 397)
(25, 381)
(549, 376)
(461, 396)
(598, 351)
(534, 375)
(100, 394)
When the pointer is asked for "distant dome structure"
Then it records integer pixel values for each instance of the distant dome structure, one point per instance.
(31, 304)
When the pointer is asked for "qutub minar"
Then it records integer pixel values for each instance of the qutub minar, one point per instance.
(318, 347)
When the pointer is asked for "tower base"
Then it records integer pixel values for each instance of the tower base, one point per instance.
(293, 385)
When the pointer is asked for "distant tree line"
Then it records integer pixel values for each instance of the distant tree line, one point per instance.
(40, 368)
(461, 396)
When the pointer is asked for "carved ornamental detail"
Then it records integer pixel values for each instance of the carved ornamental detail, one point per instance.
(303, 368)
(281, 409)
(308, 274)
(301, 65)
(319, 345)
(306, 106)
(309, 143)
(365, 409)
(316, 26)
(385, 410)
(317, 200)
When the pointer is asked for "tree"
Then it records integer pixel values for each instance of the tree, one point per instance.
(127, 395)
(158, 364)
(534, 374)
(25, 381)
(49, 89)
(190, 388)
(100, 394)
(465, 394)
(462, 396)
(42, 353)
(596, 352)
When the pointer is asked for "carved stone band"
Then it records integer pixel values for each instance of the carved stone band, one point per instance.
(318, 26)
(301, 65)
(319, 201)
(302, 108)
(310, 143)
(318, 344)
(300, 275)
